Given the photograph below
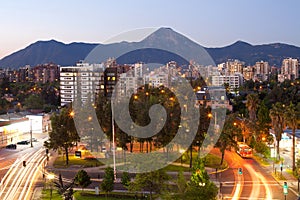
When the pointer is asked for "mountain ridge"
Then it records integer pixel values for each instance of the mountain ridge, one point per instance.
(52, 50)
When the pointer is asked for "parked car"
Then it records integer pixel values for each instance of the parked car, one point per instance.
(23, 142)
(11, 146)
(34, 140)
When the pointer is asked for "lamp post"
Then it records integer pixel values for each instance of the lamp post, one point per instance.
(113, 140)
(31, 132)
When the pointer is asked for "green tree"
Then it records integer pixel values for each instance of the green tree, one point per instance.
(200, 187)
(252, 106)
(228, 135)
(108, 182)
(181, 184)
(125, 179)
(64, 189)
(291, 117)
(63, 134)
(82, 179)
(155, 181)
(277, 121)
(34, 101)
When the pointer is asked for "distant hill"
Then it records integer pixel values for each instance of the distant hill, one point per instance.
(47, 51)
(273, 53)
(164, 38)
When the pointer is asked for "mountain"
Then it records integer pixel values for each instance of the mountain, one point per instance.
(273, 53)
(161, 46)
(47, 51)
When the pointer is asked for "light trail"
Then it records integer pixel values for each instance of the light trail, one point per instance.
(18, 182)
(238, 187)
(258, 176)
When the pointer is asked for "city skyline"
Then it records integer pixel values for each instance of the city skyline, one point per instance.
(223, 22)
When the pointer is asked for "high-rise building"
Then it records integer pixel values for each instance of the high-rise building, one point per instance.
(289, 69)
(80, 81)
(234, 66)
(261, 71)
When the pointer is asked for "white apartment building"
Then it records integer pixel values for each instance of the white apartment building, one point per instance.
(157, 79)
(289, 70)
(80, 81)
(234, 81)
(131, 80)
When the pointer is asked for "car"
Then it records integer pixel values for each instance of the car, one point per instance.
(11, 146)
(34, 140)
(23, 142)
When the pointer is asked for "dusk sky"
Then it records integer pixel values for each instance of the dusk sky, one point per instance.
(210, 23)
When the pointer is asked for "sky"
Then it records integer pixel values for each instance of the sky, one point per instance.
(211, 23)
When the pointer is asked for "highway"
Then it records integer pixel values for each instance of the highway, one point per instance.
(18, 181)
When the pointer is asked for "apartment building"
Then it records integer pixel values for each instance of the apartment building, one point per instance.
(80, 81)
(289, 69)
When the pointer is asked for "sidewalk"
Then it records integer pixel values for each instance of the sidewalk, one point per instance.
(292, 181)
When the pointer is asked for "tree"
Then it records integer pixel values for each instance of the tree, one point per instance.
(277, 121)
(65, 190)
(125, 179)
(108, 182)
(200, 187)
(181, 183)
(34, 101)
(291, 117)
(252, 105)
(154, 181)
(228, 135)
(63, 134)
(82, 179)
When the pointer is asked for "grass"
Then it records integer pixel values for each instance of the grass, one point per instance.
(279, 176)
(214, 161)
(260, 160)
(55, 195)
(176, 168)
(210, 160)
(91, 196)
(60, 162)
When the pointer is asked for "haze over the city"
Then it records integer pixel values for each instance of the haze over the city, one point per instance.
(209, 23)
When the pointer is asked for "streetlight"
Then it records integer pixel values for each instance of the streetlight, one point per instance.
(31, 132)
(113, 138)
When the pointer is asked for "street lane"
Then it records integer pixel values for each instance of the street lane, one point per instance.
(18, 182)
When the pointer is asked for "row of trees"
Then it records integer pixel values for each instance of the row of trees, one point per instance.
(28, 95)
(275, 108)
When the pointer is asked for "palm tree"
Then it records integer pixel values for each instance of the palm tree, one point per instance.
(252, 105)
(228, 135)
(277, 121)
(291, 116)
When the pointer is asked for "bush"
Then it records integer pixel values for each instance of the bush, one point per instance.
(262, 148)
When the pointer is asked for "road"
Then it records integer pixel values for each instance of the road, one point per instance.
(18, 181)
(256, 182)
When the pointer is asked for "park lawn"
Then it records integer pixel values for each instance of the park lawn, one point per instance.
(211, 160)
(177, 168)
(60, 162)
(46, 195)
(91, 196)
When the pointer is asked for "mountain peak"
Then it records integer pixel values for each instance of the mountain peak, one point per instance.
(241, 43)
(164, 34)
